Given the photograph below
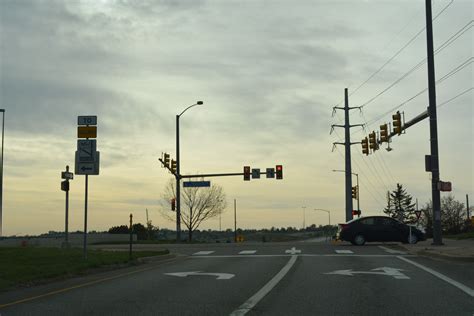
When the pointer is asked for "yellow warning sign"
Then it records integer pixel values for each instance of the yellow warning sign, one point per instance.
(86, 131)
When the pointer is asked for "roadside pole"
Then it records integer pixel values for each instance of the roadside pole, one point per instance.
(467, 207)
(85, 218)
(235, 220)
(131, 237)
(66, 175)
(87, 159)
(434, 156)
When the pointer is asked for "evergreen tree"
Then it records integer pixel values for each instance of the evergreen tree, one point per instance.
(400, 206)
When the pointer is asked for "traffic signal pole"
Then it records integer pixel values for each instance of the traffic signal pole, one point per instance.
(435, 194)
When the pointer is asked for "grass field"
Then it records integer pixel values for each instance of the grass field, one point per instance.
(30, 265)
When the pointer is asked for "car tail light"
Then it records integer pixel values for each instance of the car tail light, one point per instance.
(343, 226)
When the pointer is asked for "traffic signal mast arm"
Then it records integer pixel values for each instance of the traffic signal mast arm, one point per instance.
(410, 123)
(384, 129)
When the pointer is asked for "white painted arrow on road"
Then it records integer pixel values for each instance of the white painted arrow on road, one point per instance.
(393, 272)
(293, 251)
(220, 276)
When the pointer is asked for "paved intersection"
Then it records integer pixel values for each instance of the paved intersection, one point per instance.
(267, 279)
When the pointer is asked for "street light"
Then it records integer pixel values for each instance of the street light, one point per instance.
(178, 175)
(329, 213)
(358, 190)
(1, 174)
(304, 217)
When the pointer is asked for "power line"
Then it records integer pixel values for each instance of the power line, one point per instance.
(445, 77)
(455, 97)
(366, 179)
(399, 51)
(373, 170)
(446, 44)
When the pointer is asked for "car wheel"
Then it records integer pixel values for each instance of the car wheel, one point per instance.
(413, 239)
(359, 240)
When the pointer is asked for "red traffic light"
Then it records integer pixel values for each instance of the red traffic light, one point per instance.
(246, 173)
(279, 172)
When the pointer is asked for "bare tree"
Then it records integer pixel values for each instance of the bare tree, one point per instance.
(453, 215)
(197, 204)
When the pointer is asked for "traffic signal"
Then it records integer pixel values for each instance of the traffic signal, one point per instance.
(279, 172)
(173, 204)
(384, 133)
(356, 212)
(173, 166)
(246, 173)
(397, 122)
(354, 192)
(365, 146)
(373, 141)
(166, 160)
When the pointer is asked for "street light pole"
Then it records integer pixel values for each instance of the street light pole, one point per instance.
(304, 217)
(178, 175)
(1, 175)
(329, 214)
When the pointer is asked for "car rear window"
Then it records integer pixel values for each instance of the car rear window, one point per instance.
(367, 221)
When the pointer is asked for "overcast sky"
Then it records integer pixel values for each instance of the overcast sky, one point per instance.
(269, 73)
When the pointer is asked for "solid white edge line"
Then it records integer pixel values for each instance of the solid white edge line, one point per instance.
(251, 302)
(460, 286)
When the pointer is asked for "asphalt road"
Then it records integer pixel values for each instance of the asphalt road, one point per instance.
(263, 279)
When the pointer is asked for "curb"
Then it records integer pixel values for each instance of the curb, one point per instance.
(431, 254)
(426, 253)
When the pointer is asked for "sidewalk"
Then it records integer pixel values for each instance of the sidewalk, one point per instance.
(461, 250)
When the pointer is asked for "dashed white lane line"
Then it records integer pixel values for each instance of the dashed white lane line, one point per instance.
(251, 302)
(460, 286)
(392, 250)
(343, 251)
(247, 252)
(202, 253)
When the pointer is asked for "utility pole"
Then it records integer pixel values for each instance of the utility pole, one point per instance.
(235, 220)
(467, 207)
(435, 193)
(347, 144)
(178, 185)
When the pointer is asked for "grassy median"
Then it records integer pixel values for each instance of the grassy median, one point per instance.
(29, 265)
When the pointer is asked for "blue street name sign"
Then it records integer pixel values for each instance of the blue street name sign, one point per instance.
(193, 184)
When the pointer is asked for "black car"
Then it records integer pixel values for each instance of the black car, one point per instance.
(378, 228)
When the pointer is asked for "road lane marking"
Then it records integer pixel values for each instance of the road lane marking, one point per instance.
(251, 302)
(84, 284)
(344, 251)
(202, 253)
(293, 251)
(247, 252)
(301, 255)
(460, 286)
(220, 276)
(392, 250)
(393, 272)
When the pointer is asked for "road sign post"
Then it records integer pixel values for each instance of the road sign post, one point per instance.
(65, 187)
(87, 160)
